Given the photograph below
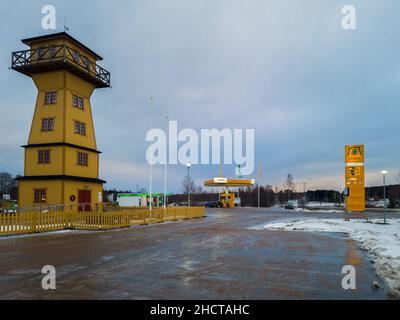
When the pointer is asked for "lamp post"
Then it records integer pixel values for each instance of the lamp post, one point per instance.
(165, 186)
(384, 173)
(258, 185)
(189, 164)
(165, 176)
(151, 161)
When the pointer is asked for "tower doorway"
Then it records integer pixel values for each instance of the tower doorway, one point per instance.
(84, 200)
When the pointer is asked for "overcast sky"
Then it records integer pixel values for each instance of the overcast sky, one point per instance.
(286, 69)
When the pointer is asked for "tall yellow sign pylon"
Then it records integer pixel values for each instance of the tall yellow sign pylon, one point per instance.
(355, 178)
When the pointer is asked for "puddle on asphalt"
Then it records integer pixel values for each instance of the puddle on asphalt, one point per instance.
(107, 258)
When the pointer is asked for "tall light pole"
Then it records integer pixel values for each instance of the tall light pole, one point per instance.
(165, 176)
(258, 184)
(189, 164)
(165, 185)
(384, 173)
(151, 160)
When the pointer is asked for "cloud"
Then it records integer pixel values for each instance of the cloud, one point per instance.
(286, 69)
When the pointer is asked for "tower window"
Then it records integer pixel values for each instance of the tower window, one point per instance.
(80, 103)
(40, 195)
(83, 129)
(52, 52)
(50, 97)
(85, 62)
(76, 56)
(83, 159)
(48, 124)
(44, 156)
(42, 52)
(80, 128)
(77, 102)
(77, 127)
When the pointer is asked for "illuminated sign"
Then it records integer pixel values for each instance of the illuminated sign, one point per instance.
(220, 180)
(355, 178)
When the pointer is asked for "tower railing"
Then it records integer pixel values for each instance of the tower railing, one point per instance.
(59, 57)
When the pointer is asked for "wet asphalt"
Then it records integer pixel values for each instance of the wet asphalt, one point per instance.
(226, 255)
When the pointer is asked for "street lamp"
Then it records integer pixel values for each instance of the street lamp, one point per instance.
(384, 173)
(165, 176)
(258, 184)
(189, 164)
(151, 161)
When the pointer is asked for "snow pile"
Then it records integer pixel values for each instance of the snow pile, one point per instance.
(320, 210)
(317, 204)
(381, 241)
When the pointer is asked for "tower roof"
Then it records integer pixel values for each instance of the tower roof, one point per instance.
(30, 41)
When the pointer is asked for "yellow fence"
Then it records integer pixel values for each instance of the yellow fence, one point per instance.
(52, 220)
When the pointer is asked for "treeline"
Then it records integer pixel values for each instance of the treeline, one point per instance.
(268, 198)
(8, 185)
(249, 196)
(392, 194)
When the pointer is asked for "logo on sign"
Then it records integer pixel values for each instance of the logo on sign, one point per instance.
(355, 153)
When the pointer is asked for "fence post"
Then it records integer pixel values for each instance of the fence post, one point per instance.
(74, 219)
(65, 217)
(99, 220)
(144, 216)
(70, 218)
(33, 221)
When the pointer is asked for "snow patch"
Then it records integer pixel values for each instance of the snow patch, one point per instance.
(319, 210)
(316, 204)
(381, 241)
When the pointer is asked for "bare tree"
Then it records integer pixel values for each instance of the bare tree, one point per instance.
(269, 189)
(188, 185)
(289, 184)
(276, 194)
(7, 183)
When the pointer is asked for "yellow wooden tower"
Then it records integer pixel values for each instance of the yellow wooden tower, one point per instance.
(61, 157)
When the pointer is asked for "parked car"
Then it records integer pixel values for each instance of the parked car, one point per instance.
(292, 204)
(173, 205)
(212, 204)
(381, 203)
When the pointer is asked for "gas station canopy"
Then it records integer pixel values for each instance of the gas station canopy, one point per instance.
(225, 182)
